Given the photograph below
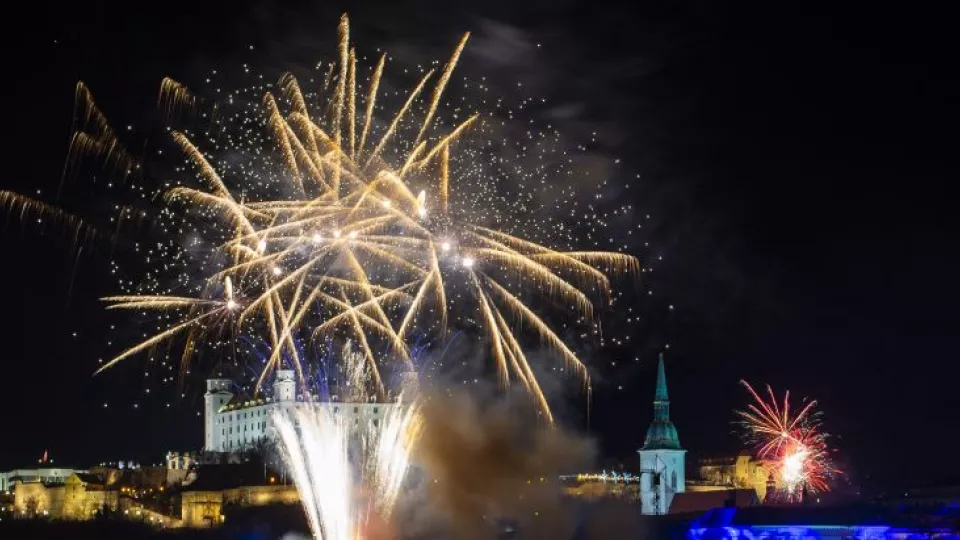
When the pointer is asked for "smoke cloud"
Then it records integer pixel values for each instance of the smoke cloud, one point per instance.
(486, 465)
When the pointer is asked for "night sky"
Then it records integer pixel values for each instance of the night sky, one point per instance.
(797, 164)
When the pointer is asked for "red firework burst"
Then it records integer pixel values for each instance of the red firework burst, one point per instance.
(790, 443)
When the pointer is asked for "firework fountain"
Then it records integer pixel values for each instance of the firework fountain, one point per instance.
(345, 478)
(348, 475)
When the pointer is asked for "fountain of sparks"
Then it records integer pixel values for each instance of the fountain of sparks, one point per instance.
(346, 479)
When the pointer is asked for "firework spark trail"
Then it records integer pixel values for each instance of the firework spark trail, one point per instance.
(317, 446)
(374, 234)
(25, 206)
(402, 427)
(792, 445)
(314, 443)
(441, 86)
(371, 100)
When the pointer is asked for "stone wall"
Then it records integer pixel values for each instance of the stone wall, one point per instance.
(134, 512)
(201, 508)
(261, 495)
(37, 499)
(205, 508)
(69, 501)
(739, 472)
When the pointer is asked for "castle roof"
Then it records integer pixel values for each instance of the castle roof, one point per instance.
(238, 402)
(662, 434)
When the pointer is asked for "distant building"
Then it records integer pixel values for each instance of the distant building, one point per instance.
(601, 486)
(232, 423)
(46, 475)
(79, 497)
(662, 460)
(737, 472)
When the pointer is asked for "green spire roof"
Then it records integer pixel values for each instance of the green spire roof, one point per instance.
(662, 434)
(661, 394)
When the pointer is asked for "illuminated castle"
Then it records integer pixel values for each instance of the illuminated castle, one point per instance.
(232, 423)
(662, 461)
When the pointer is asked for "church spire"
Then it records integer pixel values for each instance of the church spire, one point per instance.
(661, 394)
(662, 434)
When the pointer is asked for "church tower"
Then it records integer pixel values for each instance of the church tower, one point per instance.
(218, 394)
(662, 464)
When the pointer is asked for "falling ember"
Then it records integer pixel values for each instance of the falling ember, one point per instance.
(790, 444)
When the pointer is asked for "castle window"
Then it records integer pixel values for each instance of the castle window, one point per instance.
(356, 410)
(673, 480)
(375, 410)
(376, 422)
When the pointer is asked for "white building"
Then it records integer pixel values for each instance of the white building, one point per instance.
(46, 475)
(232, 423)
(662, 461)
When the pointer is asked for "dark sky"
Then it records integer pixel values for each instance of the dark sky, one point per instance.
(797, 161)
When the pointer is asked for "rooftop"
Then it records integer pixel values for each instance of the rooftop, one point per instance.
(238, 403)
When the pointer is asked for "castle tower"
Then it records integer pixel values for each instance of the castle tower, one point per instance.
(285, 385)
(662, 463)
(218, 394)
